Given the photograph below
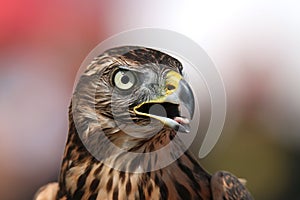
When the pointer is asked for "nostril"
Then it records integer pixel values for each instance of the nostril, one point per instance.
(170, 87)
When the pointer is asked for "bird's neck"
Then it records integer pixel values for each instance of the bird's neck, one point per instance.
(183, 173)
(128, 142)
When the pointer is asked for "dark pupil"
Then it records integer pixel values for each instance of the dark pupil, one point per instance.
(125, 79)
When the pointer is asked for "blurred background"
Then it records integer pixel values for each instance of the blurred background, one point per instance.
(254, 44)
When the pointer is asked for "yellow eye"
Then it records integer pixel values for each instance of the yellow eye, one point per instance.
(124, 79)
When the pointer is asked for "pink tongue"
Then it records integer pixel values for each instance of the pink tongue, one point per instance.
(181, 120)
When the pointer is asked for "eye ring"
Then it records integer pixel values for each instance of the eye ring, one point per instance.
(124, 79)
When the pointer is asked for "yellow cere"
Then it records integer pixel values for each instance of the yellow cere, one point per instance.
(172, 81)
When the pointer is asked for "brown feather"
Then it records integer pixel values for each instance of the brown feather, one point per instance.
(82, 176)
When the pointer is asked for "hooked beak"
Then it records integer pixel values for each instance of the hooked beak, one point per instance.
(176, 93)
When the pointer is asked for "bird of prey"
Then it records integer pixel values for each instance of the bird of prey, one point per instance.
(111, 110)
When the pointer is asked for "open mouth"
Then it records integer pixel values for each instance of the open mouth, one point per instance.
(166, 112)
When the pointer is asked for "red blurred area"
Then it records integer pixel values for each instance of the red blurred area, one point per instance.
(42, 44)
(33, 20)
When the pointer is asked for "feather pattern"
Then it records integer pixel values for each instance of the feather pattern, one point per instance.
(95, 130)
